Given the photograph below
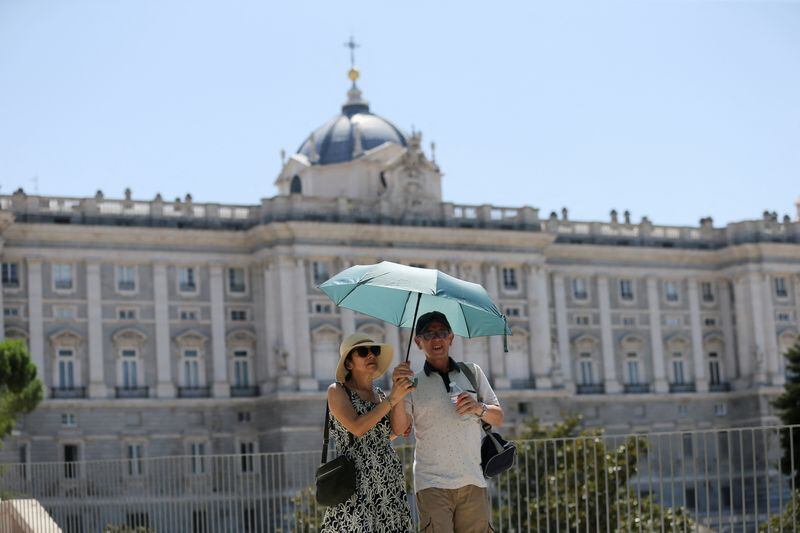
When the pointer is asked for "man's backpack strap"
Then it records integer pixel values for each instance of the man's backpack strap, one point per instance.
(470, 373)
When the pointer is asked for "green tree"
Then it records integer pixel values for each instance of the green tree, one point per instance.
(788, 405)
(20, 390)
(571, 481)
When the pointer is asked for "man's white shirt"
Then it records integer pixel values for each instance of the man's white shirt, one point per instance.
(448, 448)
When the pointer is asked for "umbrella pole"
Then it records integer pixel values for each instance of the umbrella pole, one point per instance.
(413, 324)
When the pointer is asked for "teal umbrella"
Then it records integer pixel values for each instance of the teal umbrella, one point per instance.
(398, 294)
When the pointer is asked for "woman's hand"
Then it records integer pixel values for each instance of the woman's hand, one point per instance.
(401, 371)
(400, 389)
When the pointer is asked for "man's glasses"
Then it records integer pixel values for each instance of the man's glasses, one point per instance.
(438, 334)
(363, 351)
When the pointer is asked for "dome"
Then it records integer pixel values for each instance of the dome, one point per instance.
(348, 135)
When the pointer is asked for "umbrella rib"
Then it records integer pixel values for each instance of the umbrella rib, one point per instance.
(466, 322)
(357, 285)
(408, 297)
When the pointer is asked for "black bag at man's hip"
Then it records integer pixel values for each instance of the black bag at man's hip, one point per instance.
(497, 454)
(336, 480)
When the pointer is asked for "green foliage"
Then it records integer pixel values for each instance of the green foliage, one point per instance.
(20, 390)
(786, 521)
(575, 483)
(788, 405)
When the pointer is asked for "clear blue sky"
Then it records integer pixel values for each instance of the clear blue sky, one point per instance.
(672, 109)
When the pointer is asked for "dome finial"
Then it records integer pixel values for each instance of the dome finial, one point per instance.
(355, 103)
(353, 72)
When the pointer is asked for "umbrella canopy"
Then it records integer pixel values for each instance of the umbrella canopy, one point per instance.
(398, 294)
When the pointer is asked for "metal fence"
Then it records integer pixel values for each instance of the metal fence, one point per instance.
(725, 480)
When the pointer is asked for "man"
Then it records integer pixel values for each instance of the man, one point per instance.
(448, 481)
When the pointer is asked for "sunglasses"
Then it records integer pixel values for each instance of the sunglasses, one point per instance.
(438, 334)
(364, 351)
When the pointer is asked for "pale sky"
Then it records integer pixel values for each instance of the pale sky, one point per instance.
(673, 109)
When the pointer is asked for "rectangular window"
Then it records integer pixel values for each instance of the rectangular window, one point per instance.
(241, 369)
(198, 460)
(626, 289)
(628, 321)
(64, 312)
(62, 276)
(677, 372)
(512, 312)
(720, 409)
(323, 308)
(510, 278)
(247, 449)
(673, 321)
(130, 369)
(587, 377)
(671, 291)
(688, 448)
(68, 420)
(780, 288)
(713, 371)
(236, 281)
(707, 291)
(66, 369)
(582, 320)
(186, 279)
(579, 289)
(320, 271)
(135, 454)
(189, 314)
(191, 369)
(23, 460)
(238, 315)
(10, 275)
(244, 416)
(126, 278)
(126, 313)
(71, 461)
(710, 321)
(11, 312)
(784, 317)
(633, 372)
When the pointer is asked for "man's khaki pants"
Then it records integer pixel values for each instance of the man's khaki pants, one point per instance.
(462, 510)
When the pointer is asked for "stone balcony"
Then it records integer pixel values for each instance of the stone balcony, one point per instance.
(70, 393)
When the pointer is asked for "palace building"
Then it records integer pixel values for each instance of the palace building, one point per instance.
(166, 327)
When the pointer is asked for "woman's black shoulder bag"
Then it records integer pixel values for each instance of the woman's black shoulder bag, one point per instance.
(336, 480)
(497, 454)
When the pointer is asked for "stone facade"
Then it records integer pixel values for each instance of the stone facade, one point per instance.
(161, 324)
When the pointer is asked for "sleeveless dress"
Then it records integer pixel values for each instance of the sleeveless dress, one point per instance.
(379, 504)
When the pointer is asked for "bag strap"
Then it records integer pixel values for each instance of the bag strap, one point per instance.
(487, 428)
(327, 428)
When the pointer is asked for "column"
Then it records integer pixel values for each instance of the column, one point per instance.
(611, 382)
(744, 337)
(539, 325)
(755, 292)
(286, 318)
(731, 369)
(774, 374)
(271, 328)
(305, 368)
(97, 382)
(35, 321)
(661, 383)
(497, 367)
(562, 331)
(165, 386)
(698, 350)
(347, 317)
(220, 386)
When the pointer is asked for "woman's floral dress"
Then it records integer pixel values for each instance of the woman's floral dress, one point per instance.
(379, 504)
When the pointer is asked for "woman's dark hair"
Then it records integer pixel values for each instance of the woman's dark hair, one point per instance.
(347, 373)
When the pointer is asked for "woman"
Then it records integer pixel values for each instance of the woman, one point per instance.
(360, 409)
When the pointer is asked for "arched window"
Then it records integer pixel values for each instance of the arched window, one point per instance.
(296, 187)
